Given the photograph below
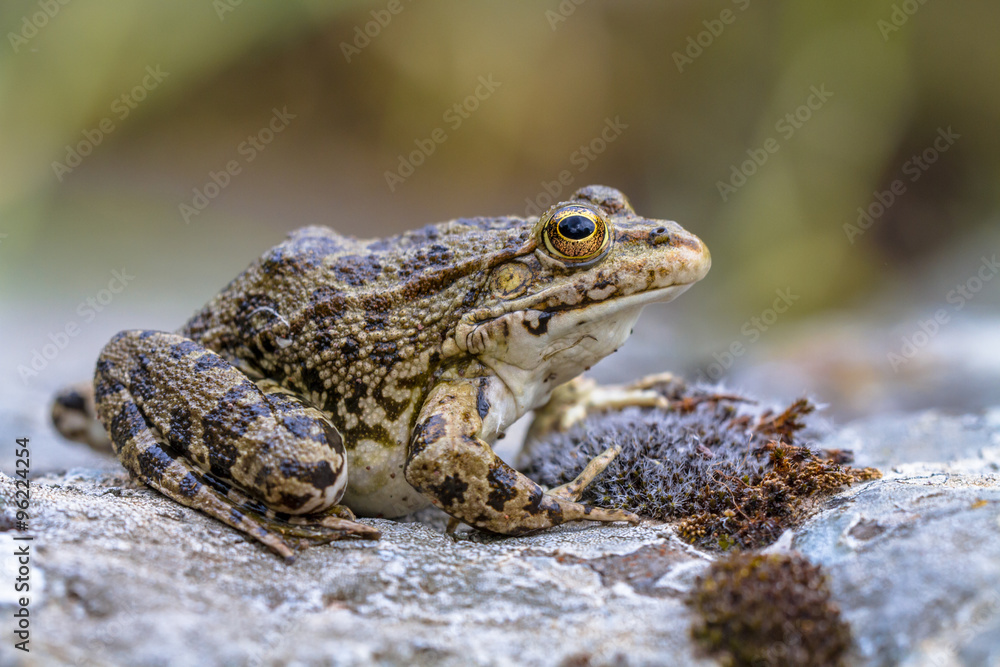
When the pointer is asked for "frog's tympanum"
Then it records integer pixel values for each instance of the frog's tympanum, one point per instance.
(338, 374)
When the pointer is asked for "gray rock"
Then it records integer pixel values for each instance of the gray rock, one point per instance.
(125, 576)
(914, 561)
(891, 440)
(122, 576)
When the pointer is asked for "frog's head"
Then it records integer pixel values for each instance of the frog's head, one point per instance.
(572, 297)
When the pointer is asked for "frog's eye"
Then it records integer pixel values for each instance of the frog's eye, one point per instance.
(576, 233)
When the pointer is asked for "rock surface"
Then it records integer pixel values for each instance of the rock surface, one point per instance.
(129, 577)
(122, 576)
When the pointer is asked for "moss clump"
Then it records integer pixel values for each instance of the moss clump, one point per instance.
(732, 475)
(770, 610)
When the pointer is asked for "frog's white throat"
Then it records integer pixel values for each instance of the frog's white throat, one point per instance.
(542, 353)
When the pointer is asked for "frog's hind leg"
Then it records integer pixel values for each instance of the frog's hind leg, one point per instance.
(161, 468)
(75, 416)
(188, 423)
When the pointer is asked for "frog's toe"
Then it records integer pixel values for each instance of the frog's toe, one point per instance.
(308, 531)
(574, 489)
(573, 402)
(608, 515)
(351, 528)
(342, 511)
(573, 511)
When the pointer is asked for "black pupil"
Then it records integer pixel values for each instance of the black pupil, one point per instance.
(576, 227)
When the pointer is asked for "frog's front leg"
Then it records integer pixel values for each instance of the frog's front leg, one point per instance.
(574, 401)
(451, 463)
(188, 423)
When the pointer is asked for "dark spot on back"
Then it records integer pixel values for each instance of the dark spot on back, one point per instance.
(357, 270)
(327, 301)
(104, 388)
(298, 254)
(349, 350)
(184, 348)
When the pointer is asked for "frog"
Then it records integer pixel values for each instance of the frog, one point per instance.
(339, 377)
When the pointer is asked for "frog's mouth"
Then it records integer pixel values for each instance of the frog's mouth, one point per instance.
(559, 300)
(559, 320)
(655, 295)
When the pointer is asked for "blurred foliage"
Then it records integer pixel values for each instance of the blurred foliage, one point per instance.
(561, 75)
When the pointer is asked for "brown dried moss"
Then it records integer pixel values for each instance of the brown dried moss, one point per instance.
(768, 610)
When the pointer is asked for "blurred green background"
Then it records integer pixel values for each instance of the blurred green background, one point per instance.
(114, 116)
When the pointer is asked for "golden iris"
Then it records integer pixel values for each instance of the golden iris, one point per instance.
(576, 232)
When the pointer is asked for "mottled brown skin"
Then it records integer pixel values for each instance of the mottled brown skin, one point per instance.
(376, 373)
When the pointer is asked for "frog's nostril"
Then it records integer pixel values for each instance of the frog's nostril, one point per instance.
(659, 236)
